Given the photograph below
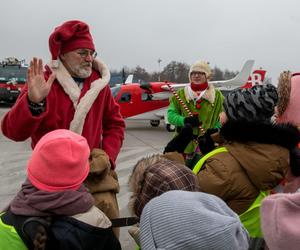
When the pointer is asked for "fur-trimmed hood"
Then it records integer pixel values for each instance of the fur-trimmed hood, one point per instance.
(284, 91)
(154, 175)
(289, 102)
(209, 95)
(284, 135)
(73, 91)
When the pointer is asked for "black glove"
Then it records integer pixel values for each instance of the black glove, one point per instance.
(192, 120)
(180, 141)
(205, 142)
(295, 161)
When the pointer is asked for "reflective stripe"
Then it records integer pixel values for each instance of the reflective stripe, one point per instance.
(200, 163)
(8, 227)
(251, 217)
(9, 238)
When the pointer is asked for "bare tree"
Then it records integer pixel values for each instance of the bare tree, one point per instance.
(141, 74)
(175, 72)
(217, 74)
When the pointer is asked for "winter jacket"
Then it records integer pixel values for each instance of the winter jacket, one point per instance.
(91, 111)
(208, 113)
(257, 160)
(91, 231)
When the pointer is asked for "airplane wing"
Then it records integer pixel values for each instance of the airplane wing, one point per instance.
(235, 82)
(164, 95)
(174, 86)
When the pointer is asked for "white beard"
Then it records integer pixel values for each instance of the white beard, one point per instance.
(83, 73)
(79, 70)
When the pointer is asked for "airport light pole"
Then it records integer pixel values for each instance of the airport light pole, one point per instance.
(159, 61)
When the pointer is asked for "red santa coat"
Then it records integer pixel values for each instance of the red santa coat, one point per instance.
(91, 111)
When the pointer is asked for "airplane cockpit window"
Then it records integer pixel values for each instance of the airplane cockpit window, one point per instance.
(146, 96)
(126, 97)
(115, 90)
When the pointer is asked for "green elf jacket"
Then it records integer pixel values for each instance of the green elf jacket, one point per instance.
(210, 107)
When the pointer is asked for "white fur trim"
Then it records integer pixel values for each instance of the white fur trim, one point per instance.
(55, 64)
(73, 91)
(209, 95)
(94, 217)
(200, 66)
(66, 81)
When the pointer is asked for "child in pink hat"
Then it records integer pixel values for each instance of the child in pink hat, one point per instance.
(288, 111)
(280, 213)
(53, 209)
(280, 220)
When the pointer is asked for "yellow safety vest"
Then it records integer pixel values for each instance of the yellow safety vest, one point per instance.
(203, 159)
(9, 238)
(251, 217)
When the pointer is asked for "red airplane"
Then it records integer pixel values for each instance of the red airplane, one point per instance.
(150, 101)
(143, 101)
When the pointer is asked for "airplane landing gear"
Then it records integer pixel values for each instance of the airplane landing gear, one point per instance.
(170, 127)
(154, 123)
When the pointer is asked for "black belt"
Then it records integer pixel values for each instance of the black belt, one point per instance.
(17, 221)
(124, 222)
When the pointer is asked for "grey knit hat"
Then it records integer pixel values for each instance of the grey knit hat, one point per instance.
(191, 220)
(251, 104)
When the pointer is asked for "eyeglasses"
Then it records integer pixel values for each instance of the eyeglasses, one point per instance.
(86, 53)
(197, 73)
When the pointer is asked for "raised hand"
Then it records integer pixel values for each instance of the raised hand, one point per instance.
(38, 87)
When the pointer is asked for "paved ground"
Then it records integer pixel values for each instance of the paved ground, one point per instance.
(140, 140)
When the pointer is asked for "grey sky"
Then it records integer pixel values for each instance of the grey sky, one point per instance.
(139, 32)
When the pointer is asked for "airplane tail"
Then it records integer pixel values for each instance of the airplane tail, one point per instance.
(129, 79)
(240, 78)
(256, 78)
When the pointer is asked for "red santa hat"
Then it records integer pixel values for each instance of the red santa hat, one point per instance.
(70, 36)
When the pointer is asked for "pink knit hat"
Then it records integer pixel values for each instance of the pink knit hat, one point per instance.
(289, 102)
(59, 161)
(280, 220)
(70, 36)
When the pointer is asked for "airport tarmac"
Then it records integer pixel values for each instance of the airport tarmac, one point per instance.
(140, 140)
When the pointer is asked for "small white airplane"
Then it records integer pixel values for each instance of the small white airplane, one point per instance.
(150, 101)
